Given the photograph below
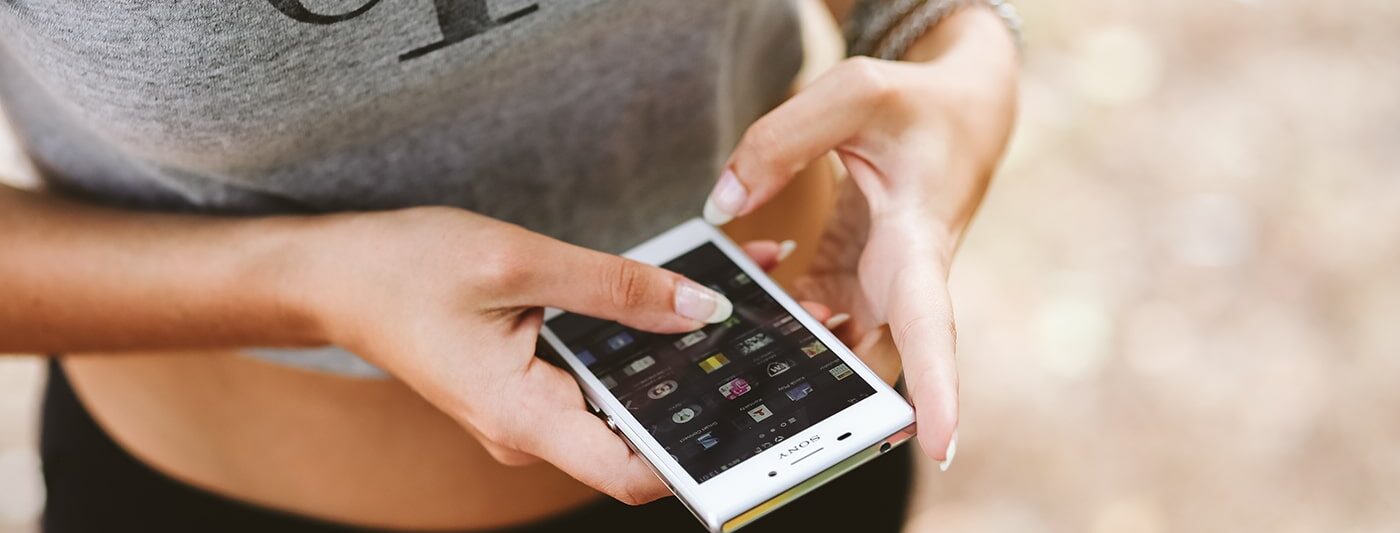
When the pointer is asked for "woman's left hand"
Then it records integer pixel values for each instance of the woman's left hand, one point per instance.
(919, 141)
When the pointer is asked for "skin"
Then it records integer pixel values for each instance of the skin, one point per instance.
(920, 140)
(452, 442)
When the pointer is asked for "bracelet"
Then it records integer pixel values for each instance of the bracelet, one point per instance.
(901, 22)
(871, 21)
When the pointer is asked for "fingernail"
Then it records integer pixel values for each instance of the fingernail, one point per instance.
(952, 452)
(785, 249)
(836, 320)
(726, 200)
(700, 303)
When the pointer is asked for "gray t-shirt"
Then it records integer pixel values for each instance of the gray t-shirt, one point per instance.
(599, 122)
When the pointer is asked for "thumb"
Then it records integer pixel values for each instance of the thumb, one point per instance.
(610, 287)
(921, 323)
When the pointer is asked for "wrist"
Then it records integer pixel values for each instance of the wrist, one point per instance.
(975, 33)
(284, 272)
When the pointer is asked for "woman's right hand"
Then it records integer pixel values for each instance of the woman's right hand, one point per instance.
(451, 302)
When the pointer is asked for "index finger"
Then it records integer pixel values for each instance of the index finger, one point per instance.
(551, 273)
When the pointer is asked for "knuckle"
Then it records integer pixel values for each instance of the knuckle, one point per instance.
(763, 142)
(510, 457)
(629, 494)
(616, 487)
(497, 452)
(556, 388)
(914, 328)
(634, 489)
(501, 266)
(627, 287)
(870, 77)
(496, 435)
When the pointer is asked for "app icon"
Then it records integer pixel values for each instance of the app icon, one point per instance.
(735, 388)
(608, 382)
(841, 371)
(778, 367)
(690, 340)
(733, 321)
(586, 357)
(799, 391)
(685, 414)
(814, 348)
(707, 440)
(713, 363)
(742, 279)
(642, 363)
(759, 413)
(790, 327)
(754, 343)
(663, 389)
(619, 341)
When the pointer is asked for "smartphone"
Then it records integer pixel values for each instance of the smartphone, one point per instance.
(741, 417)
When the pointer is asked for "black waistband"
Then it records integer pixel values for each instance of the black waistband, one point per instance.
(94, 484)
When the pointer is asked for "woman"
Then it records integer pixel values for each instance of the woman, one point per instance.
(235, 187)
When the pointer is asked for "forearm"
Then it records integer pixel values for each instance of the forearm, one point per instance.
(76, 277)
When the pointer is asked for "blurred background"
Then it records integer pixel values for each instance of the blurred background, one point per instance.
(1179, 309)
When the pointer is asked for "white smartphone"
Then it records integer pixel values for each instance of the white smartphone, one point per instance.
(737, 418)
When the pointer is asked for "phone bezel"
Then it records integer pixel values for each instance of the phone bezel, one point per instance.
(748, 484)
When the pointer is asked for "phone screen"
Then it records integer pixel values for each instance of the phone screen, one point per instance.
(720, 395)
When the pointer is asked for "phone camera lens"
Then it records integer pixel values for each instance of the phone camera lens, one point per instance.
(885, 447)
(773, 473)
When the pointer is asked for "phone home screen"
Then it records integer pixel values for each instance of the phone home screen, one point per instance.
(722, 394)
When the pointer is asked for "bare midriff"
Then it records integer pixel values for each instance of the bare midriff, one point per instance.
(362, 452)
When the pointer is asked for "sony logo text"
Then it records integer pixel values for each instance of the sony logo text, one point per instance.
(798, 446)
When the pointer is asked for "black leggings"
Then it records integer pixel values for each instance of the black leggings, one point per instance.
(95, 485)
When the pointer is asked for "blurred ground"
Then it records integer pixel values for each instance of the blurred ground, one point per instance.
(1179, 309)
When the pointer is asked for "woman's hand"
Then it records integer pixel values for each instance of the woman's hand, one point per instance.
(919, 141)
(450, 303)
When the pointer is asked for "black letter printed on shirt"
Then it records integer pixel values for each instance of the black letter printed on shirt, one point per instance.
(300, 13)
(458, 20)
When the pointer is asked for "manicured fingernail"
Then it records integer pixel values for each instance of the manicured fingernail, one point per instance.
(726, 200)
(836, 320)
(700, 303)
(952, 452)
(785, 249)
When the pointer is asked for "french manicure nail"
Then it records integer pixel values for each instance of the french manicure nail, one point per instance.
(948, 456)
(725, 201)
(701, 303)
(785, 249)
(836, 320)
